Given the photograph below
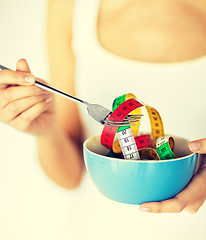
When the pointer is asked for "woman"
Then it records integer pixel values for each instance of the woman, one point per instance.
(156, 49)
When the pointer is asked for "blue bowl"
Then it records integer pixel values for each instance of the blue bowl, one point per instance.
(135, 182)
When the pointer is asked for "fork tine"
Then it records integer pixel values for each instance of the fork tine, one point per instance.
(125, 120)
(122, 122)
(129, 119)
(135, 116)
(118, 124)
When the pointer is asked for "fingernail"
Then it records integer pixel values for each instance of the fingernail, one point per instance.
(29, 79)
(145, 209)
(194, 146)
(48, 99)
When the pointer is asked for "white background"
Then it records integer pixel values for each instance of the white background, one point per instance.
(31, 206)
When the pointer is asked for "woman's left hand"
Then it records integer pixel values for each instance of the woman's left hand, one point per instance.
(193, 196)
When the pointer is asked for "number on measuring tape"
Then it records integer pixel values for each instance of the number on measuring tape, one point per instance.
(128, 144)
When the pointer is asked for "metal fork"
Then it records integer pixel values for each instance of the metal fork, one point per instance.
(96, 111)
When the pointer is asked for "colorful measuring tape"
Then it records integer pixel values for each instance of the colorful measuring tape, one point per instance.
(149, 154)
(165, 146)
(157, 129)
(125, 134)
(128, 143)
(118, 114)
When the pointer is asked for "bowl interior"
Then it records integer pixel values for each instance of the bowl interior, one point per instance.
(180, 148)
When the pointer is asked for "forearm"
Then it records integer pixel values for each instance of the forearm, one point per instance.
(61, 158)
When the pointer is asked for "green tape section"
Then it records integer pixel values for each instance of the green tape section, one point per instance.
(119, 100)
(165, 152)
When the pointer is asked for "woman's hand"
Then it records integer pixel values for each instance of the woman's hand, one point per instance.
(22, 105)
(193, 196)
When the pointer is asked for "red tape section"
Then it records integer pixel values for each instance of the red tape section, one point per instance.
(144, 141)
(119, 114)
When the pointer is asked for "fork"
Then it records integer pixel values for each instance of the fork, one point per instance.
(96, 111)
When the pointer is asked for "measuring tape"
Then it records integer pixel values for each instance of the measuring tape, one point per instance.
(128, 143)
(137, 111)
(165, 146)
(157, 129)
(149, 154)
(144, 141)
(116, 145)
(118, 114)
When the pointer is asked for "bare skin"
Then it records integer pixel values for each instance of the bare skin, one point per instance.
(172, 30)
(153, 31)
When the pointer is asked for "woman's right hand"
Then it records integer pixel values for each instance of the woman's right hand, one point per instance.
(22, 105)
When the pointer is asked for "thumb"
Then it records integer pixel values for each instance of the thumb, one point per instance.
(198, 146)
(22, 66)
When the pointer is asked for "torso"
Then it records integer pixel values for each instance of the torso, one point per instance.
(155, 78)
(160, 31)
(176, 90)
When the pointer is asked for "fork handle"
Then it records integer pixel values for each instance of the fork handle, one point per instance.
(54, 90)
(51, 89)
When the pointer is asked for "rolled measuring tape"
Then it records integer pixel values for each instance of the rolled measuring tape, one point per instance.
(165, 146)
(148, 154)
(126, 144)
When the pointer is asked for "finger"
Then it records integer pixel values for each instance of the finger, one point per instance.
(24, 120)
(16, 78)
(18, 92)
(198, 146)
(194, 207)
(13, 109)
(173, 205)
(195, 192)
(23, 66)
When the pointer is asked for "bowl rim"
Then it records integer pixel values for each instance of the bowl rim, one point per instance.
(134, 161)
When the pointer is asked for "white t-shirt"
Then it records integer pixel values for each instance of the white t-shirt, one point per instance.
(176, 90)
